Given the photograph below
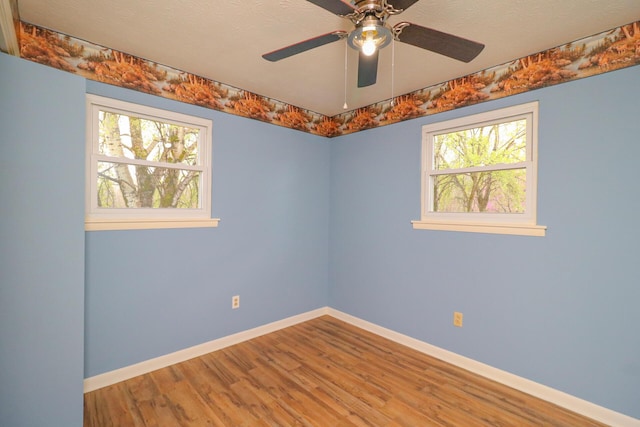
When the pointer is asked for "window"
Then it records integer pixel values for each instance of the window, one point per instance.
(479, 173)
(146, 168)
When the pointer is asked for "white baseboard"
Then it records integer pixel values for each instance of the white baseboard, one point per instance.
(575, 404)
(122, 374)
(572, 403)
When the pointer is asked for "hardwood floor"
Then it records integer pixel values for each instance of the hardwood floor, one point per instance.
(323, 372)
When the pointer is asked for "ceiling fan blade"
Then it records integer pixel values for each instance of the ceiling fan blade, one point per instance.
(338, 7)
(402, 4)
(436, 41)
(303, 46)
(367, 69)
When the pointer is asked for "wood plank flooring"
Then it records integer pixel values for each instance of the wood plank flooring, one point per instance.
(324, 373)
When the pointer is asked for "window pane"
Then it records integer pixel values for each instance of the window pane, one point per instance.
(491, 192)
(137, 138)
(501, 143)
(132, 186)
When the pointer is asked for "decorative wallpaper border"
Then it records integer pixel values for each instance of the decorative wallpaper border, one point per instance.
(597, 54)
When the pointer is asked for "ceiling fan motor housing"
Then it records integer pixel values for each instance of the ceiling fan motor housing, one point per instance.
(367, 4)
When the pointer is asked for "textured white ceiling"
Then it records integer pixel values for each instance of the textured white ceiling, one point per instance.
(224, 40)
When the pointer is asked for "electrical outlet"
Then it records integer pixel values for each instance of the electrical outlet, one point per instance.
(457, 319)
(235, 301)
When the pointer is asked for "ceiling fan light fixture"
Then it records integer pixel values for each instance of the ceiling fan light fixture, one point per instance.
(370, 36)
(371, 33)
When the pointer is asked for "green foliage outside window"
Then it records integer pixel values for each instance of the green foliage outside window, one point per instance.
(151, 164)
(481, 169)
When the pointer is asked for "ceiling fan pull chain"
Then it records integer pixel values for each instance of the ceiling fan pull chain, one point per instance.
(346, 49)
(393, 63)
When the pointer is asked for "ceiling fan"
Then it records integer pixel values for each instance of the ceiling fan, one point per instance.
(372, 33)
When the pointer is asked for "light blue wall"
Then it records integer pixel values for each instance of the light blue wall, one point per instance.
(153, 292)
(309, 222)
(561, 310)
(41, 245)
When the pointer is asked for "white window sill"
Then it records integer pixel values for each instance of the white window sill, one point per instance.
(147, 224)
(516, 229)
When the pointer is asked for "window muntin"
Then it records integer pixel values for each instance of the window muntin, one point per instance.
(146, 163)
(481, 169)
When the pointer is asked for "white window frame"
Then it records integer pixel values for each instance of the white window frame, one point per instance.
(504, 223)
(145, 218)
